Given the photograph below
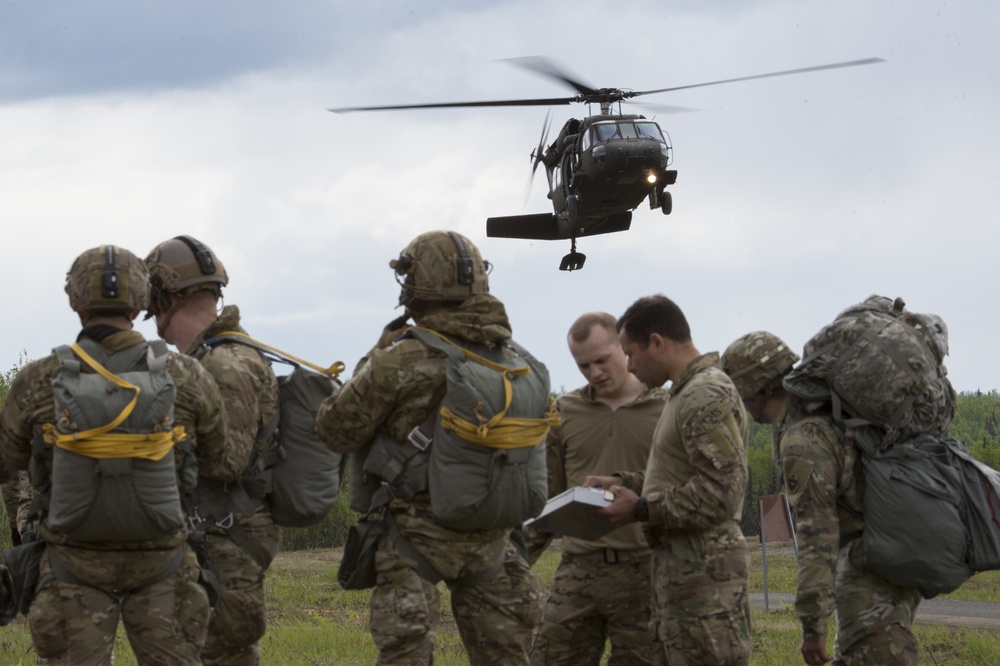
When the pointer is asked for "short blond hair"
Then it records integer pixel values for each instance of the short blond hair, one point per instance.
(585, 323)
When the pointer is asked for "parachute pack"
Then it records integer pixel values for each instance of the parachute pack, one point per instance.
(481, 455)
(113, 475)
(881, 368)
(296, 471)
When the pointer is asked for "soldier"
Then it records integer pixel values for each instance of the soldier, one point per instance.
(241, 538)
(601, 588)
(691, 492)
(105, 489)
(395, 388)
(822, 472)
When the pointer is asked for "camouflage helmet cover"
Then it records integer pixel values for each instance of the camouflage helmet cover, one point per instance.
(184, 262)
(107, 278)
(756, 361)
(440, 266)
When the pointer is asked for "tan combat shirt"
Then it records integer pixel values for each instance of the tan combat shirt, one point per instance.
(593, 439)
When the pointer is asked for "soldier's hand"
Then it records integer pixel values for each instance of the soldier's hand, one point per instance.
(814, 652)
(622, 510)
(602, 481)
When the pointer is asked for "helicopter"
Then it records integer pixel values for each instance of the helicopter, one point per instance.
(599, 168)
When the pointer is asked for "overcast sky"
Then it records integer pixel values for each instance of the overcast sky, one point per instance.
(130, 123)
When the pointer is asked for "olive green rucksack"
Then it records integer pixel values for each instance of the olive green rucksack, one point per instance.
(955, 499)
(296, 471)
(113, 475)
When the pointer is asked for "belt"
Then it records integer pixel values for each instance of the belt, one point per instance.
(614, 556)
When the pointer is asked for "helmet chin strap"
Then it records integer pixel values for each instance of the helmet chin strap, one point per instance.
(176, 303)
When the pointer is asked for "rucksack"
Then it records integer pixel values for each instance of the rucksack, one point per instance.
(955, 499)
(113, 475)
(481, 454)
(296, 471)
(879, 364)
(881, 368)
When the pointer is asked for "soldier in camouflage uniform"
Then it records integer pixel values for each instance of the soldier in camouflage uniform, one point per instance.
(85, 587)
(601, 588)
(691, 493)
(187, 280)
(823, 477)
(395, 388)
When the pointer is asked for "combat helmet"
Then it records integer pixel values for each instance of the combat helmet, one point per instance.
(440, 266)
(756, 362)
(107, 278)
(184, 262)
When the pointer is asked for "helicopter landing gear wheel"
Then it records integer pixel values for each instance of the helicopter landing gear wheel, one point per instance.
(666, 203)
(574, 260)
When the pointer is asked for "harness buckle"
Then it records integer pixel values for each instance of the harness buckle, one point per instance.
(418, 439)
(226, 522)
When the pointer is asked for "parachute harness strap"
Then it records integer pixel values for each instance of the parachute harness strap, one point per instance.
(500, 431)
(333, 371)
(101, 442)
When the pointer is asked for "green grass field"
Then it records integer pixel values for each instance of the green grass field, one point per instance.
(312, 622)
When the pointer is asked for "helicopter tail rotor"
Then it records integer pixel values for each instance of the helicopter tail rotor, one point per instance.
(538, 153)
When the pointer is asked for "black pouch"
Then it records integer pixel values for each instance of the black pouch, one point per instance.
(357, 566)
(22, 569)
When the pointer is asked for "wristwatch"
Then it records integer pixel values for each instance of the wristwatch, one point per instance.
(641, 510)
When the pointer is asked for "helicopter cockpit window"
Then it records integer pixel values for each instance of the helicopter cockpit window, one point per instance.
(605, 132)
(649, 130)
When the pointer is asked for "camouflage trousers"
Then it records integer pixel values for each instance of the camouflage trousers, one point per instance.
(11, 497)
(495, 616)
(593, 600)
(74, 624)
(874, 617)
(238, 620)
(701, 605)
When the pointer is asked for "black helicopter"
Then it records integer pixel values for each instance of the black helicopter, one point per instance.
(599, 168)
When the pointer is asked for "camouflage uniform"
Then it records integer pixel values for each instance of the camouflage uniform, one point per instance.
(823, 477)
(75, 622)
(694, 485)
(11, 500)
(396, 389)
(601, 588)
(250, 396)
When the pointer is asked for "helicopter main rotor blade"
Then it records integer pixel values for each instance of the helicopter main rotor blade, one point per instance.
(446, 105)
(548, 68)
(818, 68)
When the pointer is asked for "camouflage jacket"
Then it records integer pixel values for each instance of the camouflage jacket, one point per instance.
(398, 387)
(697, 471)
(246, 382)
(825, 487)
(197, 406)
(593, 439)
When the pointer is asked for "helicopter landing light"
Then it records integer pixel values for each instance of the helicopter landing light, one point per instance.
(651, 178)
